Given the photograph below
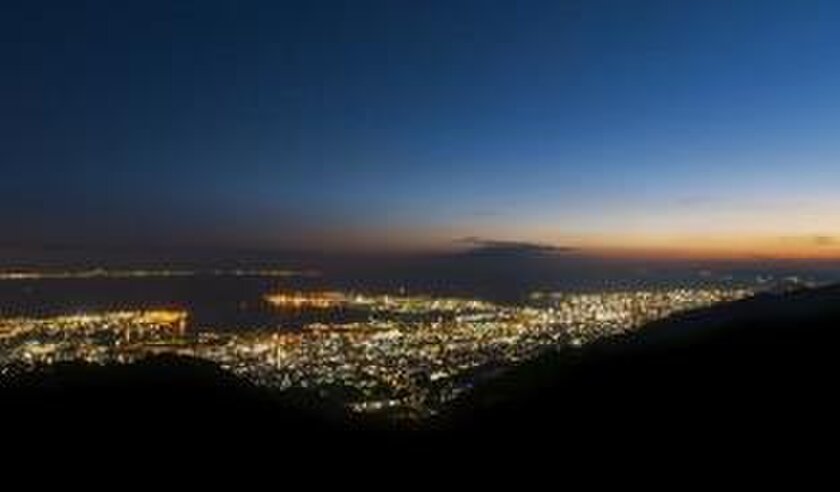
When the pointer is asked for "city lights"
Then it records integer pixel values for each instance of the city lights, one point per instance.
(411, 356)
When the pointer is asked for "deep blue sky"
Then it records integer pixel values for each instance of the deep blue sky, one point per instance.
(270, 123)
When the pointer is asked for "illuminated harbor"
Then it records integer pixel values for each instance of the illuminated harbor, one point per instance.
(379, 303)
(321, 300)
(412, 355)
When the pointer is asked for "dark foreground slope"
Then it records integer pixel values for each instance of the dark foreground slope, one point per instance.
(761, 367)
(764, 367)
(168, 396)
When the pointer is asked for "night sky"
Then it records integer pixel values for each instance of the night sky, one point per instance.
(617, 127)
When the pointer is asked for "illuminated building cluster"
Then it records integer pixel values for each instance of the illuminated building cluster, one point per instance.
(102, 337)
(412, 355)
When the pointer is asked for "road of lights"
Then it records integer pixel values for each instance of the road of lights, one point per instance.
(410, 357)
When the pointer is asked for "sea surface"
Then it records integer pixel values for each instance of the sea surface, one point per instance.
(222, 302)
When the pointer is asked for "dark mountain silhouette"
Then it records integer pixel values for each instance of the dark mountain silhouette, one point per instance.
(166, 395)
(760, 368)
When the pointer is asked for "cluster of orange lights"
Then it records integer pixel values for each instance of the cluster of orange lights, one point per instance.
(318, 300)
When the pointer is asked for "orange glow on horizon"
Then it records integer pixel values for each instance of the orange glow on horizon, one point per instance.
(717, 247)
(821, 243)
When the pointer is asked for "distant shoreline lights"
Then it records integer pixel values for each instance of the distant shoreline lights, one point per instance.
(120, 274)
